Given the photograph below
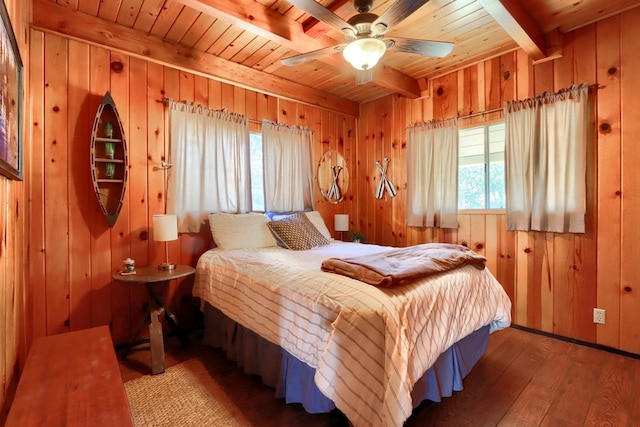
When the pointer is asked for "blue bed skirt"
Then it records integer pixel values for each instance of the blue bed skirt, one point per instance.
(293, 379)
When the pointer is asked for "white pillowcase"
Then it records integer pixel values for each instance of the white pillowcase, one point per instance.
(318, 222)
(239, 231)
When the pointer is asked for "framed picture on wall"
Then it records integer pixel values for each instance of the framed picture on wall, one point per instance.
(11, 100)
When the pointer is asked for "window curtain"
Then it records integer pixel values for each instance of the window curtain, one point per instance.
(546, 143)
(288, 170)
(432, 174)
(210, 157)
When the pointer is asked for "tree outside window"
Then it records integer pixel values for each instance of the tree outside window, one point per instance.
(481, 170)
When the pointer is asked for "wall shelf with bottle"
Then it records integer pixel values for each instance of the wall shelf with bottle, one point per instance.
(109, 160)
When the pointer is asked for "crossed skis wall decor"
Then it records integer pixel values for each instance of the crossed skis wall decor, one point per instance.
(385, 183)
(334, 190)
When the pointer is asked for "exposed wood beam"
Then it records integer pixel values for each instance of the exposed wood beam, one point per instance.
(266, 22)
(515, 20)
(255, 18)
(48, 16)
(315, 28)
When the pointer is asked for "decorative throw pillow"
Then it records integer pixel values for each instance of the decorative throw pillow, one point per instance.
(297, 233)
(318, 222)
(239, 231)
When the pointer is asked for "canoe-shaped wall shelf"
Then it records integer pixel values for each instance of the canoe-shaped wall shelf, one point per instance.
(109, 161)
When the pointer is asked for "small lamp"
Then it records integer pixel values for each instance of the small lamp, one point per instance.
(341, 223)
(165, 229)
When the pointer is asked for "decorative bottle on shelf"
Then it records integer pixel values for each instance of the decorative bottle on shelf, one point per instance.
(109, 150)
(110, 169)
(108, 129)
(109, 147)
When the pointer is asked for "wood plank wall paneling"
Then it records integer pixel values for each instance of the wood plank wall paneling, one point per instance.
(554, 280)
(609, 185)
(56, 198)
(74, 289)
(79, 122)
(14, 215)
(630, 159)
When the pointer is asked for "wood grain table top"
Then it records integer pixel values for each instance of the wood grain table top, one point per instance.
(151, 274)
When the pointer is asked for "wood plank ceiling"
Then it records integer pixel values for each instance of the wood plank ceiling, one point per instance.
(242, 41)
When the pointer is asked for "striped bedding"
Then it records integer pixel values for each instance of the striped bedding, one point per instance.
(368, 345)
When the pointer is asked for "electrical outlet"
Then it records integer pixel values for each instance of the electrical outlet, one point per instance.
(598, 316)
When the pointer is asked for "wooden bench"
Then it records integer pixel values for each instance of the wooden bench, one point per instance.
(71, 379)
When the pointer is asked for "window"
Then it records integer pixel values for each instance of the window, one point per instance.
(257, 175)
(481, 171)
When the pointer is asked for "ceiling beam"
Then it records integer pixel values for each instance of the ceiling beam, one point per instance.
(515, 20)
(315, 28)
(256, 18)
(50, 17)
(268, 23)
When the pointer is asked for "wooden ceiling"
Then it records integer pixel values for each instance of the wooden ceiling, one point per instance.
(242, 41)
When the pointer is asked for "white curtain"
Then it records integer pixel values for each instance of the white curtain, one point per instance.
(546, 143)
(211, 168)
(432, 174)
(288, 170)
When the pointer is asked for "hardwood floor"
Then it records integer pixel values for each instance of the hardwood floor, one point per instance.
(524, 379)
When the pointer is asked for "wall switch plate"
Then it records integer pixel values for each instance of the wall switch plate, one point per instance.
(598, 316)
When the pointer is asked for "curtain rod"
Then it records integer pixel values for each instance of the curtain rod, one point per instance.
(493, 110)
(166, 100)
(480, 113)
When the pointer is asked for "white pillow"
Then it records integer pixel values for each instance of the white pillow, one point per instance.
(318, 222)
(238, 231)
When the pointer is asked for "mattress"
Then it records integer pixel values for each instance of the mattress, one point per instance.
(367, 346)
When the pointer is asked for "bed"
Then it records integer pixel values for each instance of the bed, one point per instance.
(374, 353)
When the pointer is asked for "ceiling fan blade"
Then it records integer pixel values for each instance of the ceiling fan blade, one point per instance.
(323, 14)
(304, 57)
(420, 47)
(395, 14)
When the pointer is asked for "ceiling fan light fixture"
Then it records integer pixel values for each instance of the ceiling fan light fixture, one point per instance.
(364, 53)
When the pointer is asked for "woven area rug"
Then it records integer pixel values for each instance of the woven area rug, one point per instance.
(184, 395)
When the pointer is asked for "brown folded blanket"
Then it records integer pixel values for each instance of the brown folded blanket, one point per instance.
(403, 265)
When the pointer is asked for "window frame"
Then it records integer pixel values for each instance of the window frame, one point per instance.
(485, 124)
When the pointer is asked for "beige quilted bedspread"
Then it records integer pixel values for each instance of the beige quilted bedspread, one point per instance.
(369, 345)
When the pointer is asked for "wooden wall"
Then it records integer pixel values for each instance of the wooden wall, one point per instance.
(13, 247)
(57, 253)
(73, 253)
(554, 280)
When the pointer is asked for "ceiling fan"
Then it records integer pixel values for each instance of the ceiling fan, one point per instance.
(364, 34)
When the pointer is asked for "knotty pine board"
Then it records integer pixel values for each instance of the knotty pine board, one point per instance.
(630, 155)
(80, 188)
(141, 175)
(609, 185)
(36, 258)
(56, 201)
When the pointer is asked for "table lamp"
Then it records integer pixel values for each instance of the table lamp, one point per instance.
(165, 229)
(341, 223)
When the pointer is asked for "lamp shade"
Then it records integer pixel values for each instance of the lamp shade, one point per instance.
(341, 222)
(165, 228)
(364, 53)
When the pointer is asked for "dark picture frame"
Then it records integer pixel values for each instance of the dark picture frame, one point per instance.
(11, 100)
